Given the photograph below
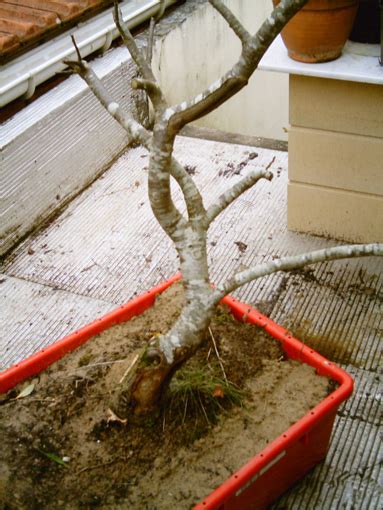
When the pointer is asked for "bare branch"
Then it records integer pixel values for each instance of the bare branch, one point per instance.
(154, 92)
(234, 192)
(237, 77)
(149, 49)
(193, 198)
(299, 261)
(159, 186)
(150, 87)
(130, 43)
(153, 22)
(76, 48)
(232, 21)
(136, 132)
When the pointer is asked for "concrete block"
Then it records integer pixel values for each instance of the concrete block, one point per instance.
(345, 215)
(337, 160)
(336, 105)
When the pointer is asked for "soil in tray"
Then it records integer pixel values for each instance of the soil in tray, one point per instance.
(62, 448)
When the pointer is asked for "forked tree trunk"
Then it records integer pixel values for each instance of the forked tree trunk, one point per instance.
(158, 362)
(168, 353)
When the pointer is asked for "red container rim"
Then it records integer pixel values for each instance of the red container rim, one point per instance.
(273, 452)
(293, 347)
(40, 360)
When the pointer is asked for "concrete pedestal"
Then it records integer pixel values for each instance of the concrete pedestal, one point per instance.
(335, 145)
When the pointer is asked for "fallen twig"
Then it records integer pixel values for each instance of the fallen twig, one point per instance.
(218, 356)
(129, 368)
(103, 464)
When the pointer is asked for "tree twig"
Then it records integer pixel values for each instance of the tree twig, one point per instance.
(234, 192)
(136, 54)
(218, 356)
(149, 49)
(153, 22)
(154, 92)
(76, 48)
(232, 21)
(103, 464)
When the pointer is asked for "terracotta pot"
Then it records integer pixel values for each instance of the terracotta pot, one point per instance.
(318, 32)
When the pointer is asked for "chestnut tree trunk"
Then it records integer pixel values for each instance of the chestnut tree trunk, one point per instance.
(159, 361)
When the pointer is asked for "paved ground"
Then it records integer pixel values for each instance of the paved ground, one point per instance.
(105, 248)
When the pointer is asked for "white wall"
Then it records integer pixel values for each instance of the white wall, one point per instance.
(201, 49)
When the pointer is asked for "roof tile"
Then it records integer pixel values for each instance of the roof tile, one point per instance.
(17, 12)
(23, 22)
(22, 29)
(64, 10)
(8, 42)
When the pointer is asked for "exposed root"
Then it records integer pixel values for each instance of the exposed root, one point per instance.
(144, 382)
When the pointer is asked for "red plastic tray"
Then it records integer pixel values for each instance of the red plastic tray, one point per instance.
(284, 461)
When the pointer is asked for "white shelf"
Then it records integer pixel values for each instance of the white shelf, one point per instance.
(358, 62)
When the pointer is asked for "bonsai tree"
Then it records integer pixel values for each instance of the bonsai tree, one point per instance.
(155, 366)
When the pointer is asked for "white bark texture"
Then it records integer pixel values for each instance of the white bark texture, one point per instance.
(189, 233)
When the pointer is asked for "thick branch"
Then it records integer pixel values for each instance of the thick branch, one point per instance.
(237, 77)
(297, 262)
(234, 192)
(192, 196)
(232, 21)
(151, 88)
(160, 198)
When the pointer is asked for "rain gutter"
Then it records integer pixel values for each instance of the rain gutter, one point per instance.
(20, 77)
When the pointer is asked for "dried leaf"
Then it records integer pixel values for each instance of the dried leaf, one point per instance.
(242, 247)
(112, 417)
(26, 391)
(218, 392)
(191, 170)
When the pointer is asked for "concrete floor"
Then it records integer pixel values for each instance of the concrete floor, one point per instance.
(105, 248)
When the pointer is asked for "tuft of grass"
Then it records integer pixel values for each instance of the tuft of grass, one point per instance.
(53, 457)
(201, 393)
